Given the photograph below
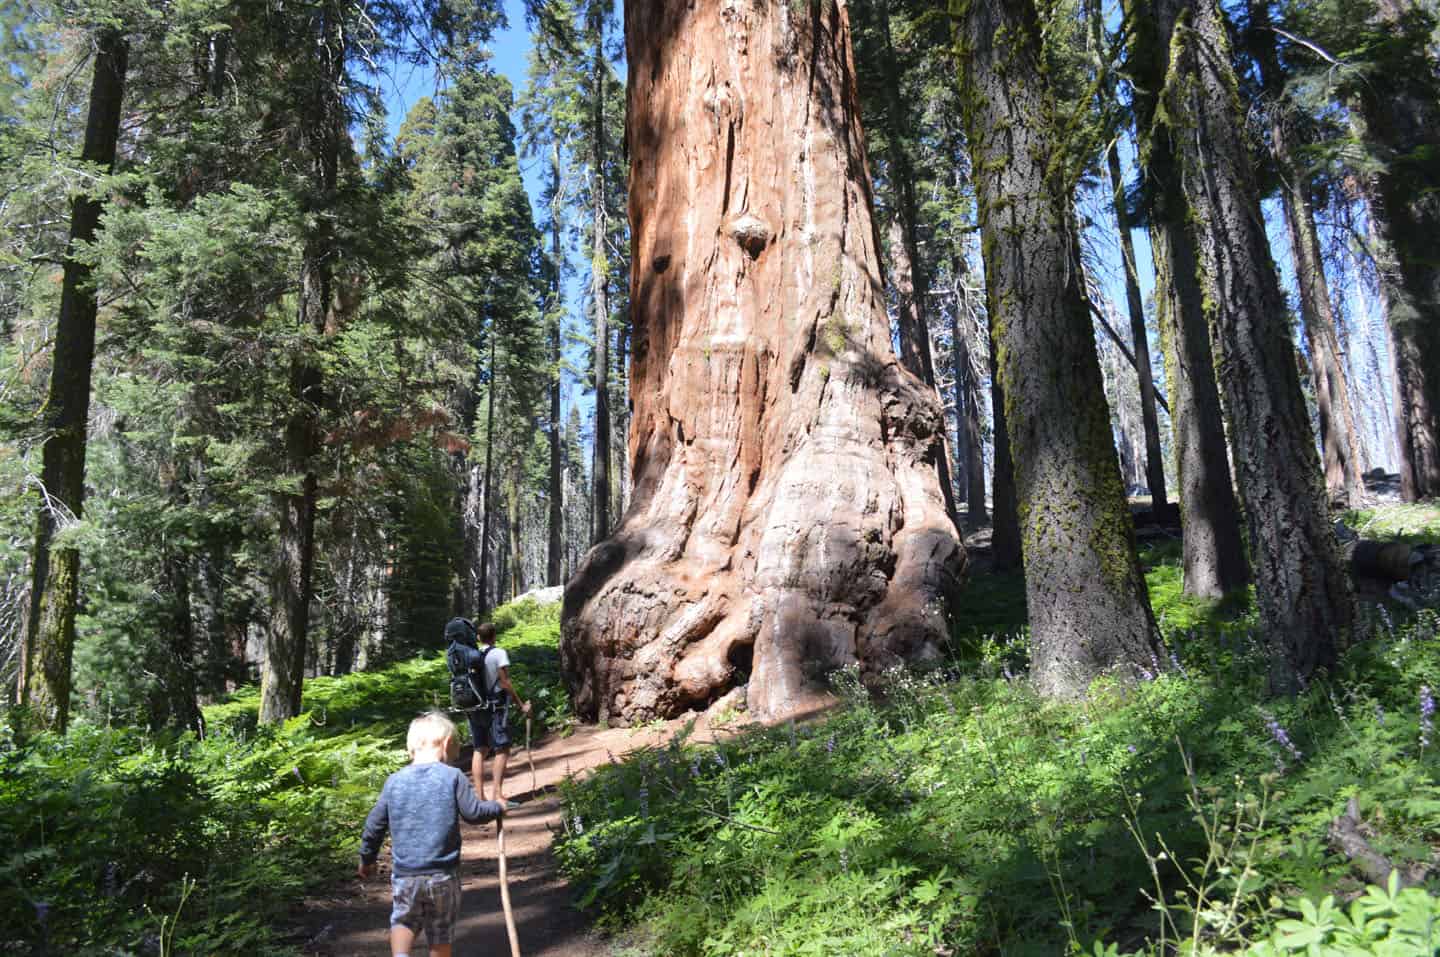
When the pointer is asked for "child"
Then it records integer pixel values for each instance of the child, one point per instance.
(421, 805)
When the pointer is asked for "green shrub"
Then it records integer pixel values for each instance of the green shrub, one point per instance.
(960, 813)
(105, 833)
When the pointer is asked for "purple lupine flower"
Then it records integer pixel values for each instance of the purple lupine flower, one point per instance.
(1155, 663)
(1130, 748)
(1175, 663)
(830, 745)
(1380, 715)
(695, 768)
(1281, 737)
(1427, 715)
(644, 796)
(1145, 673)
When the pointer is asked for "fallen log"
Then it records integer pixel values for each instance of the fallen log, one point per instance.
(1347, 837)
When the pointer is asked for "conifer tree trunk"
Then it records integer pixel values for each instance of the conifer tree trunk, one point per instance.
(786, 518)
(1088, 607)
(487, 497)
(1213, 561)
(1401, 119)
(1005, 549)
(912, 286)
(599, 280)
(554, 545)
(322, 119)
(49, 644)
(517, 564)
(969, 446)
(1302, 586)
(1150, 419)
(1339, 440)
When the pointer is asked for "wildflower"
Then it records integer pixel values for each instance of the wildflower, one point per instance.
(830, 745)
(1175, 663)
(1281, 737)
(695, 768)
(1130, 748)
(1145, 673)
(1380, 715)
(1427, 715)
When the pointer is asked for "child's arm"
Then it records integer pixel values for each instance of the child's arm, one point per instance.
(377, 823)
(471, 808)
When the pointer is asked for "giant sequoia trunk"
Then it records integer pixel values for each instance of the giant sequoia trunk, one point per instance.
(786, 519)
(1402, 123)
(1089, 612)
(55, 574)
(1302, 586)
(1213, 559)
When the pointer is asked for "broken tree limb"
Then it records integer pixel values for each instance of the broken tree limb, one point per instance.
(1125, 350)
(1347, 837)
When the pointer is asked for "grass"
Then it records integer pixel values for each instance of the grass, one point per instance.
(1415, 524)
(105, 832)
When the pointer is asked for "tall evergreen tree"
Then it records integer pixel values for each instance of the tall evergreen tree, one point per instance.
(1303, 588)
(55, 575)
(1088, 607)
(1214, 561)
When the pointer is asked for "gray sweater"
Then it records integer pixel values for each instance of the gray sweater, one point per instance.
(421, 806)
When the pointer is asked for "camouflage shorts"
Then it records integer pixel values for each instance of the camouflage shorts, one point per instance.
(428, 902)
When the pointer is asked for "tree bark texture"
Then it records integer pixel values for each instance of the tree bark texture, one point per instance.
(1402, 123)
(1303, 591)
(322, 120)
(49, 643)
(1213, 559)
(1339, 439)
(1088, 607)
(786, 519)
(1005, 551)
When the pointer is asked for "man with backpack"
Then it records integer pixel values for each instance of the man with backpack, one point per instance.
(480, 687)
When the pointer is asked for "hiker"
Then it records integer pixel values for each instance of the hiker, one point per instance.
(421, 806)
(489, 666)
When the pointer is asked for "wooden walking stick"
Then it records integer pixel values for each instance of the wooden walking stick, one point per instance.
(530, 753)
(505, 888)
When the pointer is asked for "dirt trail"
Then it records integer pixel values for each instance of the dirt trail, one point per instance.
(352, 919)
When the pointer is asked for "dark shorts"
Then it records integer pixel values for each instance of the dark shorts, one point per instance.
(490, 729)
(426, 902)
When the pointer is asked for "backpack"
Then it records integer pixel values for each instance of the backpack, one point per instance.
(464, 696)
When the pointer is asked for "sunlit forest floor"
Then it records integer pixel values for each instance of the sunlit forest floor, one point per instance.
(947, 812)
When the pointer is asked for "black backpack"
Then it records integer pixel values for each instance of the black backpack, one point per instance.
(464, 696)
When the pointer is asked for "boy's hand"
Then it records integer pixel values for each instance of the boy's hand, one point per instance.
(365, 870)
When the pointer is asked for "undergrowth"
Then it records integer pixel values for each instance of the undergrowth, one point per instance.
(960, 814)
(115, 842)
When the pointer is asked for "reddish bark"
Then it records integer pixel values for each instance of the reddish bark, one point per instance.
(786, 518)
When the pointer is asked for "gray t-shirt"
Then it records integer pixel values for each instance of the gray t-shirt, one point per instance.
(421, 806)
(494, 661)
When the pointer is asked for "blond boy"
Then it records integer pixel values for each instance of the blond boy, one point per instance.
(421, 806)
